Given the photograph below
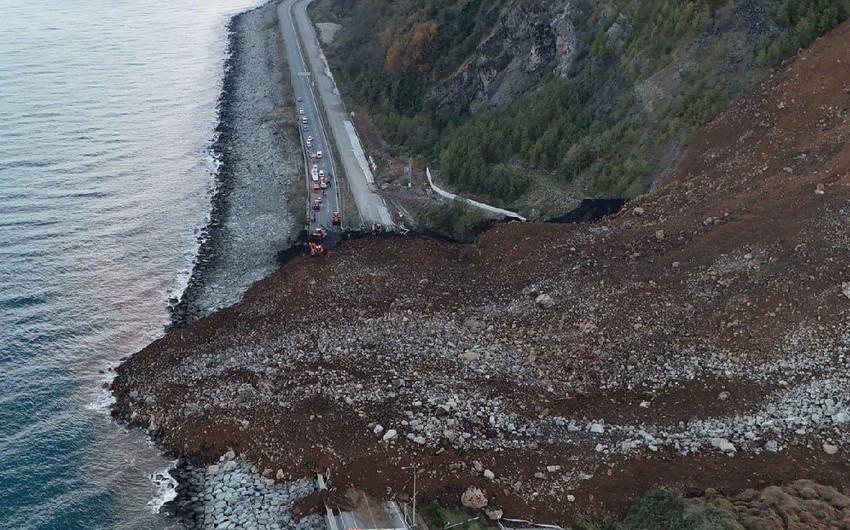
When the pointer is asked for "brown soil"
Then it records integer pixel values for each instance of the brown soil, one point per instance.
(747, 271)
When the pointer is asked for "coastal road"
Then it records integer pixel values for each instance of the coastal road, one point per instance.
(310, 73)
(313, 138)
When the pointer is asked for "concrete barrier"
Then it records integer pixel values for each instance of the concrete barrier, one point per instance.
(481, 205)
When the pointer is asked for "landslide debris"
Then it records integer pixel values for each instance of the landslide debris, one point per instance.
(698, 338)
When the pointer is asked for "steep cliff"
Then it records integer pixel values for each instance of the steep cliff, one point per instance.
(525, 101)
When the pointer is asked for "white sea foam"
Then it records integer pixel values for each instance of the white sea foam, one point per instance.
(102, 398)
(166, 487)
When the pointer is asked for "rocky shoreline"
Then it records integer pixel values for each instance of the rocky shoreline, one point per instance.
(259, 165)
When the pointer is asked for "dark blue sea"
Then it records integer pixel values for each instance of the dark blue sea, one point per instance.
(107, 113)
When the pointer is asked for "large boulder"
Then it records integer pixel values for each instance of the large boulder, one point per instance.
(544, 301)
(473, 498)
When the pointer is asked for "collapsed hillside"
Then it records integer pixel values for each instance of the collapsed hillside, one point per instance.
(528, 103)
(698, 338)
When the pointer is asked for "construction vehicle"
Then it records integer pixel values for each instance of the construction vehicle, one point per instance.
(316, 249)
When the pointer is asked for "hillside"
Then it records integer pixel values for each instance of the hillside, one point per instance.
(526, 103)
(696, 339)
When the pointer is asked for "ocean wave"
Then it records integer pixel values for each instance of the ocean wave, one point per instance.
(166, 488)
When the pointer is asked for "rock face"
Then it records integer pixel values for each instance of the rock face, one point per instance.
(473, 498)
(510, 62)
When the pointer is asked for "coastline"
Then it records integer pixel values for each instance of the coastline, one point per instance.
(256, 150)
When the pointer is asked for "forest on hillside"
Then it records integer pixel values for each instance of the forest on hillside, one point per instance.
(589, 127)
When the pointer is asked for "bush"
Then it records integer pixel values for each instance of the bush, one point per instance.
(456, 220)
(664, 509)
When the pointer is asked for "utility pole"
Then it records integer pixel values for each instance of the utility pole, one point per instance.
(413, 467)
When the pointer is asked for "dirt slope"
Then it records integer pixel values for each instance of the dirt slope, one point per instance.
(698, 338)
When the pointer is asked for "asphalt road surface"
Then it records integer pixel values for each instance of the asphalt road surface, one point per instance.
(370, 204)
(312, 130)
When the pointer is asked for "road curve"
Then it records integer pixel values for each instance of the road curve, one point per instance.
(295, 23)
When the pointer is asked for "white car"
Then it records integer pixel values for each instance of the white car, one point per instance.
(301, 111)
(318, 154)
(303, 119)
(321, 174)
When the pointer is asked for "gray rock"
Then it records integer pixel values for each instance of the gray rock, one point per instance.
(390, 435)
(473, 498)
(544, 301)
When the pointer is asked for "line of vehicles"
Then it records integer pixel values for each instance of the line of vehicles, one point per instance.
(320, 182)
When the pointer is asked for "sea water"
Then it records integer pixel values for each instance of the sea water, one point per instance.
(107, 113)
